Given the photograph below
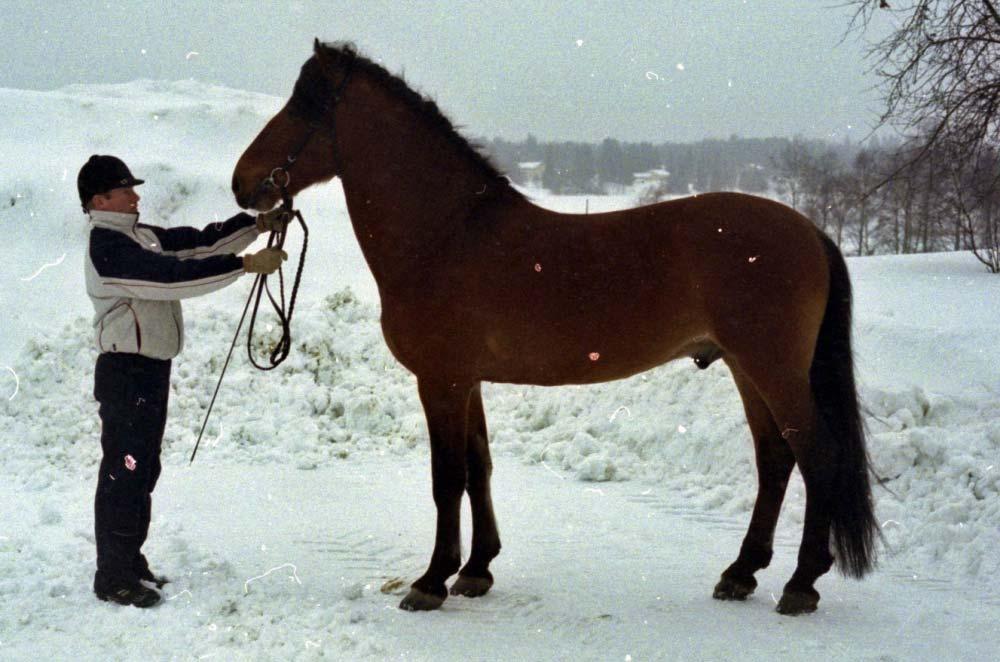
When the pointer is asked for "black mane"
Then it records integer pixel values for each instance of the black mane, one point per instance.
(313, 92)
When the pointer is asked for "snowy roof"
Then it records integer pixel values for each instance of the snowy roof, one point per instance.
(656, 173)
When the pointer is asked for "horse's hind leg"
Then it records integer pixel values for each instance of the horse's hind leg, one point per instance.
(774, 465)
(789, 397)
(475, 579)
(446, 407)
(816, 457)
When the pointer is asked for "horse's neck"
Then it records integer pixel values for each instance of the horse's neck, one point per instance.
(406, 195)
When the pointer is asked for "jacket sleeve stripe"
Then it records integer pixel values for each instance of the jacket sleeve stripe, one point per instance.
(171, 291)
(226, 246)
(213, 239)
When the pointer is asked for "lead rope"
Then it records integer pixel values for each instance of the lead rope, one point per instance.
(280, 351)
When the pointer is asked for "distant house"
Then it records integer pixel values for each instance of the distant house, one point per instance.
(650, 186)
(651, 178)
(531, 173)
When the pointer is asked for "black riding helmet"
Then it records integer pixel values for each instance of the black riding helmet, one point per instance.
(100, 174)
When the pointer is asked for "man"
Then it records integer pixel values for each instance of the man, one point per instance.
(135, 275)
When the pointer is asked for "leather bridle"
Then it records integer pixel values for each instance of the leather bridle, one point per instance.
(280, 177)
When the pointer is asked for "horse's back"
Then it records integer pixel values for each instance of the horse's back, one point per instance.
(711, 252)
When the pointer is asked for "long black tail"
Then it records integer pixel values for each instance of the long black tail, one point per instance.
(853, 523)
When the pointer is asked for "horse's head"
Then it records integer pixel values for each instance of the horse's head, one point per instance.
(297, 147)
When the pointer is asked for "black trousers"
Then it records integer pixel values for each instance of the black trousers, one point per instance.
(132, 391)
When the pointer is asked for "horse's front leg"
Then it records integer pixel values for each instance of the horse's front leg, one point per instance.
(475, 578)
(446, 406)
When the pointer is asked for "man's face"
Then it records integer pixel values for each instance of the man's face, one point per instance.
(123, 200)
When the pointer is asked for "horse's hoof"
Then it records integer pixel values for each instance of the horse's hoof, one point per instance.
(793, 603)
(417, 600)
(730, 588)
(471, 587)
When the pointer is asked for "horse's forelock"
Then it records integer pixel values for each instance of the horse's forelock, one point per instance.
(311, 92)
(336, 53)
(313, 89)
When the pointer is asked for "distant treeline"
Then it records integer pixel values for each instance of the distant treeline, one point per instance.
(886, 200)
(745, 164)
(873, 199)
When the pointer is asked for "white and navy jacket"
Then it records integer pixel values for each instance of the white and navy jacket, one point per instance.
(137, 273)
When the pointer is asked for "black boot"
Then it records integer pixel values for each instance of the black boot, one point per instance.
(134, 594)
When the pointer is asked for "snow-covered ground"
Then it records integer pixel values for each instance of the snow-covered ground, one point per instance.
(308, 510)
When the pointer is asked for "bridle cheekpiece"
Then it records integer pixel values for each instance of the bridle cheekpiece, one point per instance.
(280, 177)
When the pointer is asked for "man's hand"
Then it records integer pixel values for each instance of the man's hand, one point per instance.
(264, 261)
(273, 221)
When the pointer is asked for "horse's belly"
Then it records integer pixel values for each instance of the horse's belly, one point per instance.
(585, 355)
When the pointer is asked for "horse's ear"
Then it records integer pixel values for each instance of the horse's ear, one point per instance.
(319, 52)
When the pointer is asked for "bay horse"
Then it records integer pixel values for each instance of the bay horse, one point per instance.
(478, 284)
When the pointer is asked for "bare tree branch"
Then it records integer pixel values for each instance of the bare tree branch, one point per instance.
(992, 10)
(940, 76)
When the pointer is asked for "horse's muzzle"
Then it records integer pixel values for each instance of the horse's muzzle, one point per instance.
(263, 196)
(243, 198)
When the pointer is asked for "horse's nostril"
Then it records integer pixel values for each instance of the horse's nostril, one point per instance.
(236, 186)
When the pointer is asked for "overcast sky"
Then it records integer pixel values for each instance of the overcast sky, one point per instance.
(667, 70)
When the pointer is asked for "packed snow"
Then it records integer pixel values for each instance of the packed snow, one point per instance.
(308, 510)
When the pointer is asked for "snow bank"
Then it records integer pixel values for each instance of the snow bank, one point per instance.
(341, 393)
